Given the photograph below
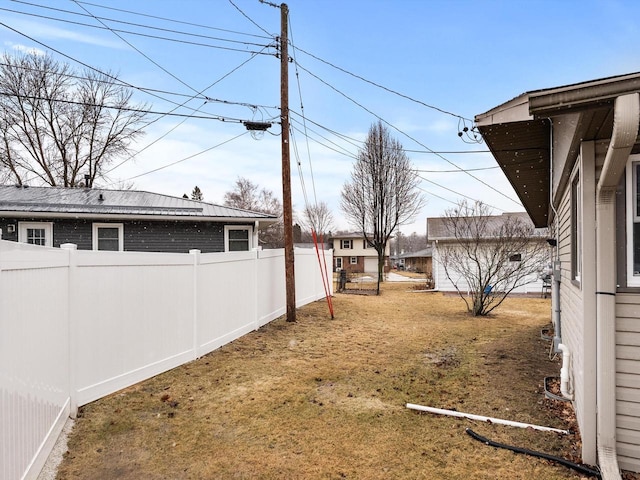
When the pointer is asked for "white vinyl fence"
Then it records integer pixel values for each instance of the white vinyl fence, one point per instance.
(78, 325)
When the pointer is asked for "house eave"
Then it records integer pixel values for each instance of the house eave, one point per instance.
(102, 216)
(593, 94)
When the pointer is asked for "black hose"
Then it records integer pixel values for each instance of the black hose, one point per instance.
(575, 466)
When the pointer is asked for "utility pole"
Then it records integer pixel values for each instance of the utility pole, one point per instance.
(290, 279)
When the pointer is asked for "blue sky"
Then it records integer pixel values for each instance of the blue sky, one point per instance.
(463, 57)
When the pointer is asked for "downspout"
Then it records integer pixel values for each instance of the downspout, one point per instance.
(556, 272)
(625, 131)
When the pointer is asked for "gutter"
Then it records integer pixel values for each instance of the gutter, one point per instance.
(625, 131)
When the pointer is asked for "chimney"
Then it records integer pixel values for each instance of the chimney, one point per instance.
(87, 181)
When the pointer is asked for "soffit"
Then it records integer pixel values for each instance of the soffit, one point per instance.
(522, 150)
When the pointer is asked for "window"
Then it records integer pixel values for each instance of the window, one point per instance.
(346, 244)
(353, 260)
(516, 257)
(338, 263)
(633, 221)
(576, 228)
(237, 239)
(108, 237)
(36, 233)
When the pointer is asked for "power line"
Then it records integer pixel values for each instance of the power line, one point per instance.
(146, 35)
(406, 134)
(124, 109)
(86, 65)
(407, 97)
(168, 30)
(453, 191)
(205, 98)
(315, 197)
(184, 159)
(170, 20)
(459, 171)
(248, 18)
(182, 122)
(414, 171)
(357, 143)
(140, 51)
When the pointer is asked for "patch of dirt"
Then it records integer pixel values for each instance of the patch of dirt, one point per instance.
(324, 399)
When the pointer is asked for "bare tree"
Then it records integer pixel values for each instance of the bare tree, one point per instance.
(408, 243)
(492, 254)
(58, 125)
(318, 218)
(247, 195)
(382, 193)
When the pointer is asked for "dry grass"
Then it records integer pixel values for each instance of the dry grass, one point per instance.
(325, 399)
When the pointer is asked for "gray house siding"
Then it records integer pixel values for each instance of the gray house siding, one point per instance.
(139, 236)
(176, 237)
(628, 380)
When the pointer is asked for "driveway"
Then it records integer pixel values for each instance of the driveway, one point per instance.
(396, 277)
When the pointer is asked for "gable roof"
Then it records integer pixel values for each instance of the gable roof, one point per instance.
(347, 235)
(97, 202)
(518, 132)
(437, 226)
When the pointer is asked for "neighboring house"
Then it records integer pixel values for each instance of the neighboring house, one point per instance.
(419, 262)
(352, 253)
(125, 220)
(438, 235)
(573, 157)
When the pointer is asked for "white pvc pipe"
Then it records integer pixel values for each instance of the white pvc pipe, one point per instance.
(453, 413)
(564, 372)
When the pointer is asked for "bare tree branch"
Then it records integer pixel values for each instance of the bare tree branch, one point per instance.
(247, 195)
(59, 127)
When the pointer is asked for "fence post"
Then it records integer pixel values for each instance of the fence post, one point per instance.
(196, 266)
(256, 292)
(72, 327)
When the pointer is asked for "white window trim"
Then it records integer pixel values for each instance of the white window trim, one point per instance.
(339, 263)
(228, 228)
(353, 260)
(345, 242)
(48, 231)
(631, 217)
(120, 228)
(576, 270)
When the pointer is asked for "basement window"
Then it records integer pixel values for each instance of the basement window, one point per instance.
(108, 236)
(36, 233)
(237, 238)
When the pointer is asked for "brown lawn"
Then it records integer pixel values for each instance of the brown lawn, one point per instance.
(325, 399)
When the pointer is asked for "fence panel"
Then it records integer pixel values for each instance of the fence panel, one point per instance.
(34, 361)
(133, 318)
(271, 292)
(79, 325)
(309, 281)
(226, 298)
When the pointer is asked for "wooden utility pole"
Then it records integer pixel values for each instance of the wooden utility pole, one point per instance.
(290, 279)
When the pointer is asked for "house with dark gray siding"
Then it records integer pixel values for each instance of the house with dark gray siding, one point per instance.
(124, 220)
